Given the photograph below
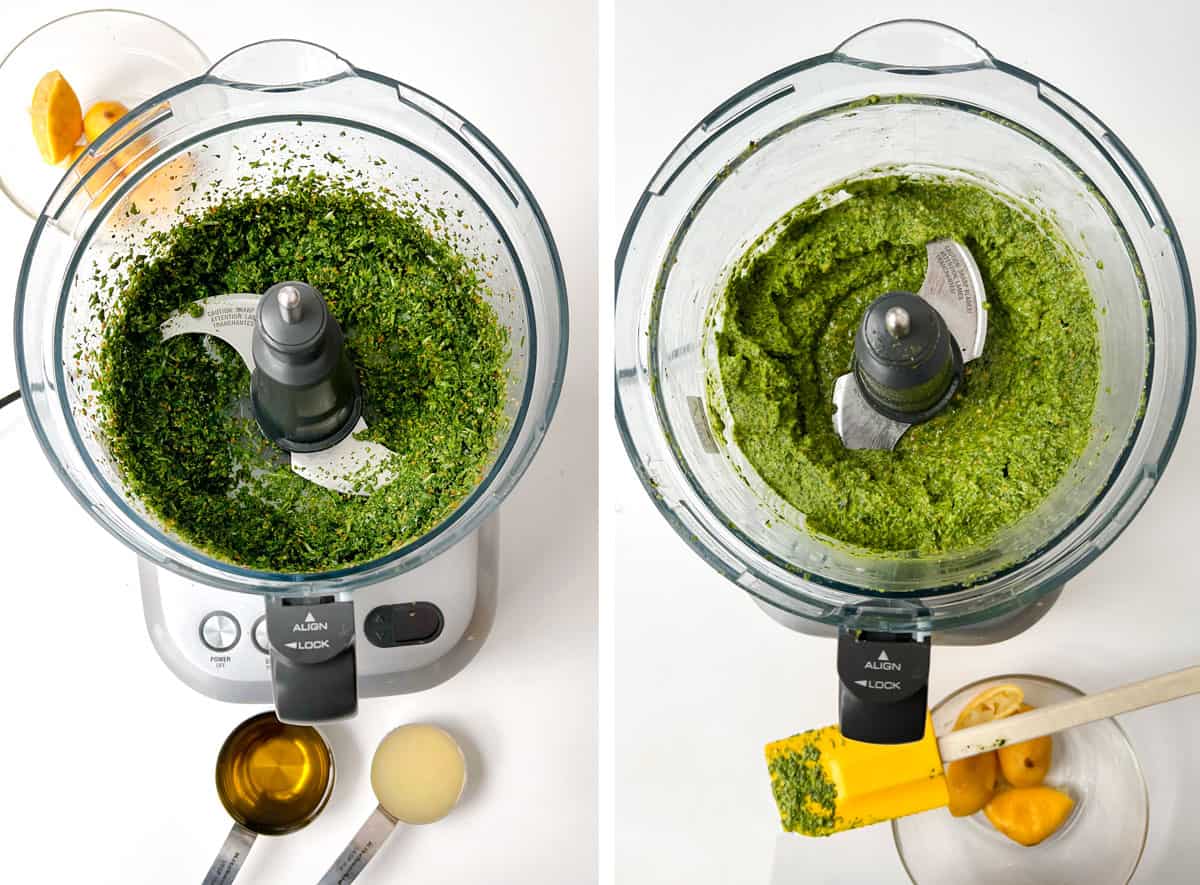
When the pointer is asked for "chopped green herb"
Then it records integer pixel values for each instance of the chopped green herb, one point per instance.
(806, 798)
(430, 352)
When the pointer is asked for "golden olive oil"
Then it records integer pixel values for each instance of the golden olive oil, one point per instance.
(274, 778)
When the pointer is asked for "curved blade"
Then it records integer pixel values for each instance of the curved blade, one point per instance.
(954, 286)
(228, 317)
(859, 425)
(353, 466)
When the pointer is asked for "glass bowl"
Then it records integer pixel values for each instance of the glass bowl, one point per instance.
(222, 132)
(106, 55)
(1101, 842)
(917, 98)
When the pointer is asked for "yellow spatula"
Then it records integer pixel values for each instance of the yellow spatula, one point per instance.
(825, 783)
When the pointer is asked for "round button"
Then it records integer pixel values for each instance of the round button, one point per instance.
(258, 635)
(220, 631)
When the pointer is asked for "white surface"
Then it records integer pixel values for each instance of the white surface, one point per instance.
(703, 678)
(109, 773)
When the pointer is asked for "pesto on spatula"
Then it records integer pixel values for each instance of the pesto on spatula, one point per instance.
(428, 347)
(1022, 417)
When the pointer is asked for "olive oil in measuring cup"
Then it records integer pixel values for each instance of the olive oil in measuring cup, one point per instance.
(273, 779)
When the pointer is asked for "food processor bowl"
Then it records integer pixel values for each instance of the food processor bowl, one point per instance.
(914, 98)
(222, 133)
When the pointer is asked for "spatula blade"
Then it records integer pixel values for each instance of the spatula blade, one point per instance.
(825, 783)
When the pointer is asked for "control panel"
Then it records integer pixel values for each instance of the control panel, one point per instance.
(411, 631)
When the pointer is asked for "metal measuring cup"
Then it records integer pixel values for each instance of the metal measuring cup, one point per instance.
(273, 779)
(418, 774)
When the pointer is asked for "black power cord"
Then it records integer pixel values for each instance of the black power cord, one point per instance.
(9, 398)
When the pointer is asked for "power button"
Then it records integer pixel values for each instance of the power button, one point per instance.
(220, 631)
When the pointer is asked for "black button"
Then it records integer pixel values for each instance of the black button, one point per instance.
(406, 623)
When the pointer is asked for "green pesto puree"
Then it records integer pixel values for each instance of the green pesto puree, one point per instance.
(1021, 418)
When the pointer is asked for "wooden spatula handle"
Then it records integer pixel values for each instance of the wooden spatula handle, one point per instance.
(1068, 714)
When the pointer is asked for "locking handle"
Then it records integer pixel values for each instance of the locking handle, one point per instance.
(314, 675)
(883, 676)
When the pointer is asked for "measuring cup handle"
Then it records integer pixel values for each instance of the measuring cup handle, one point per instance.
(231, 856)
(362, 848)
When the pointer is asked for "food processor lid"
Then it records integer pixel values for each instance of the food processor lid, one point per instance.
(266, 83)
(899, 63)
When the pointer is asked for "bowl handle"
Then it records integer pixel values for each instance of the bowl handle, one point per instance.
(280, 64)
(914, 46)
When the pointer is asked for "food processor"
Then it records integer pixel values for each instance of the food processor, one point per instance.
(310, 643)
(912, 98)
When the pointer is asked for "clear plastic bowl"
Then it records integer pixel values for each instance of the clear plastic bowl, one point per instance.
(918, 97)
(217, 128)
(1101, 842)
(106, 55)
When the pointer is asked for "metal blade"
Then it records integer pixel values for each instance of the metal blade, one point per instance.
(228, 317)
(857, 423)
(353, 466)
(954, 287)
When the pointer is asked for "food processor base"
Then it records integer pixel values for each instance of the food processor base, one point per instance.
(412, 632)
(984, 633)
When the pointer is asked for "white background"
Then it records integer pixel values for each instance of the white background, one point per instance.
(703, 678)
(108, 761)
